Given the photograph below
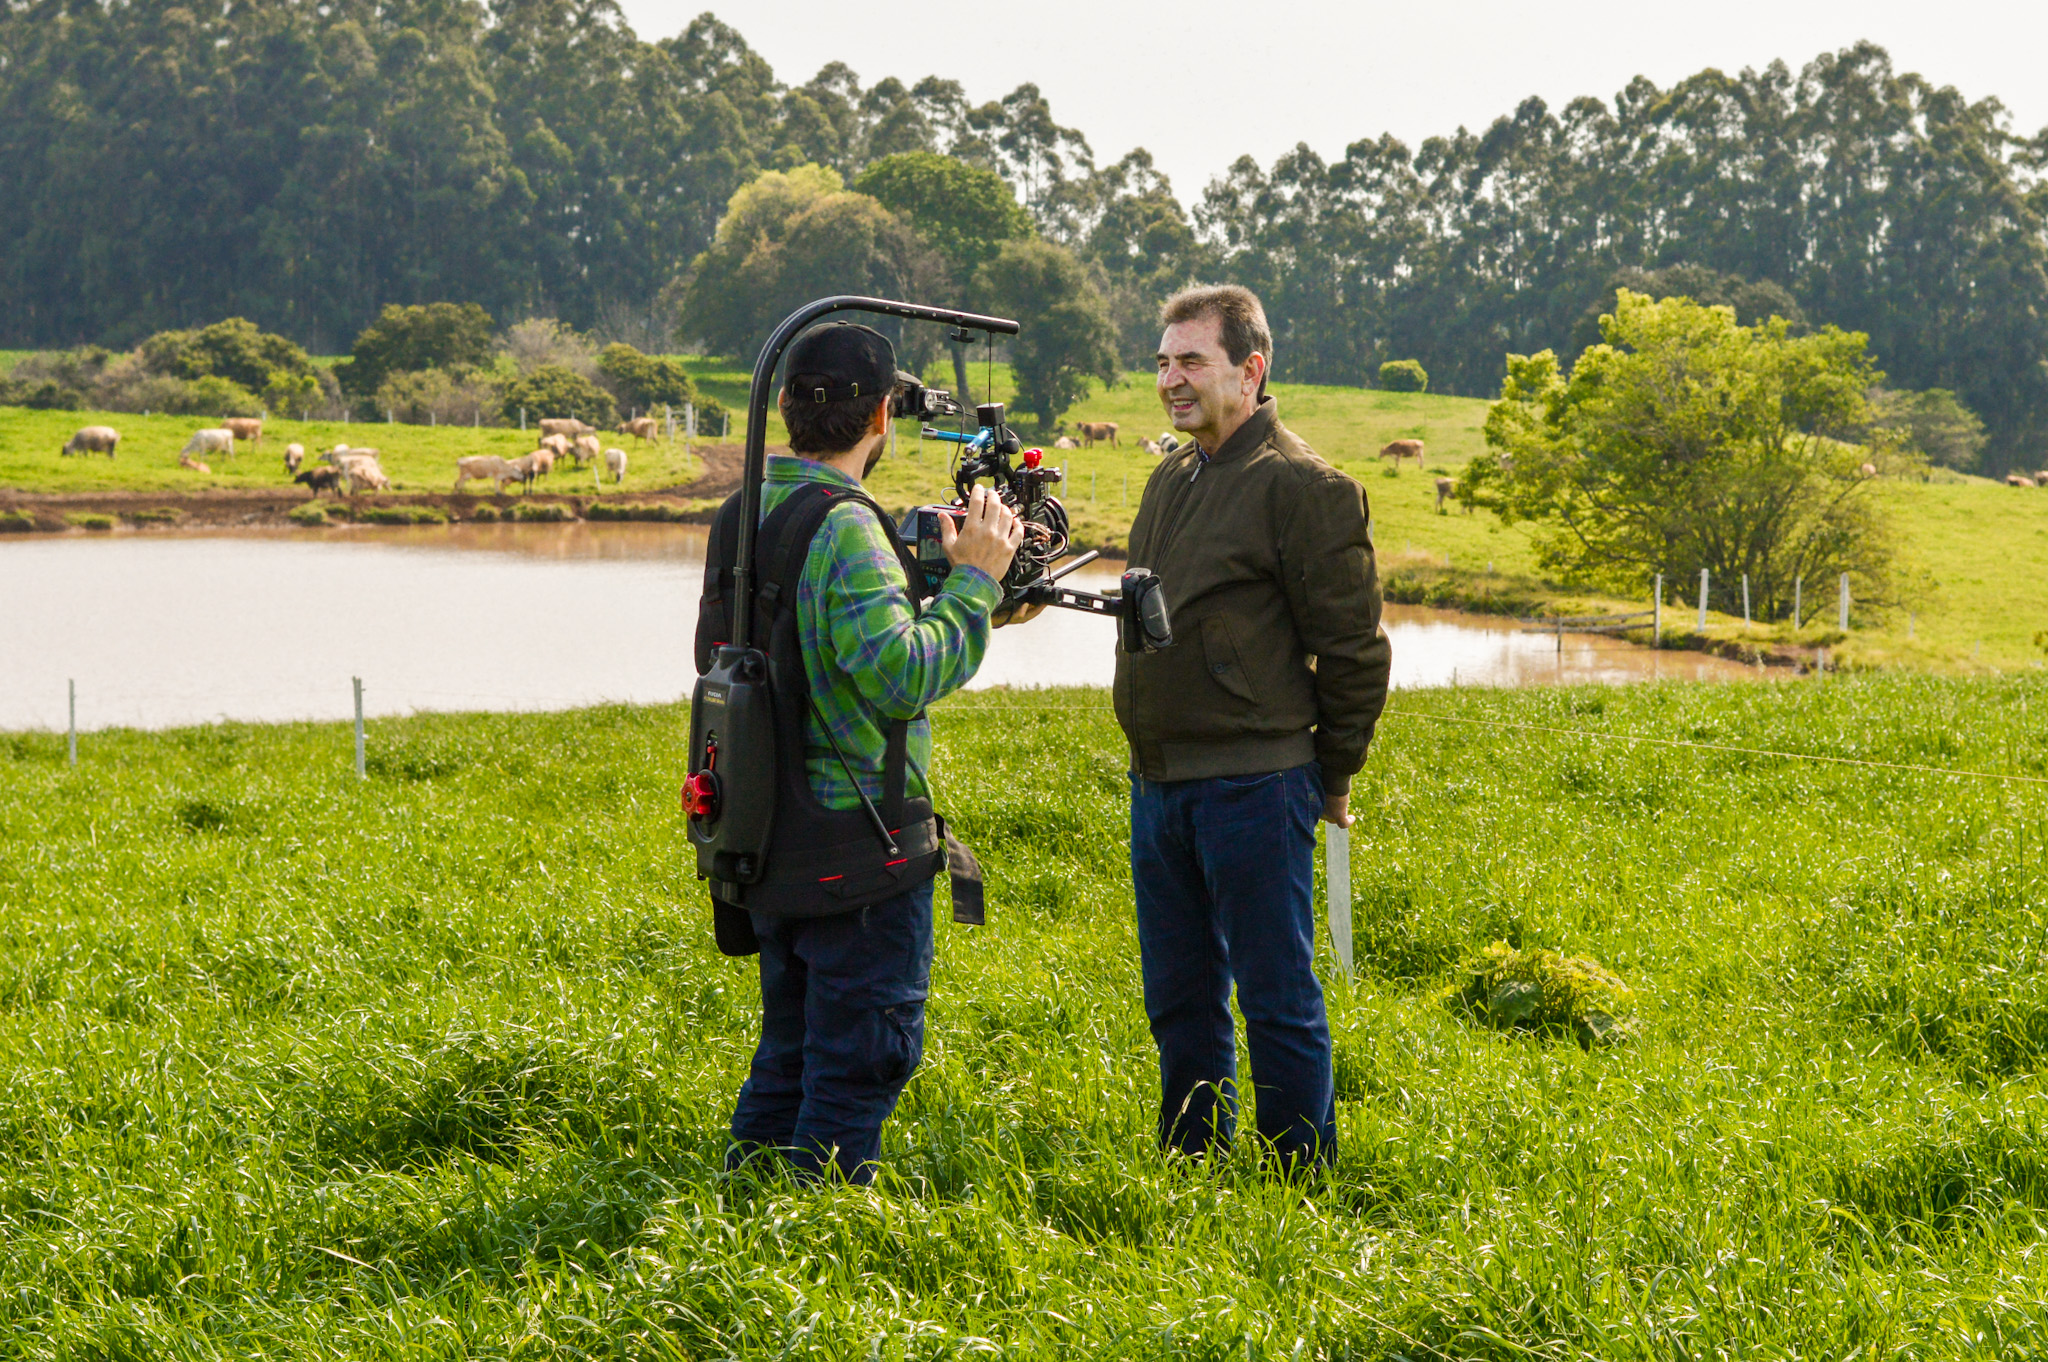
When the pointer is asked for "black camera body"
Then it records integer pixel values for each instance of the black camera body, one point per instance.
(1023, 481)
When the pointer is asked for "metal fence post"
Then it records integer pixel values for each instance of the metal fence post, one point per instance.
(1845, 602)
(1657, 619)
(358, 681)
(1703, 600)
(1745, 600)
(1798, 586)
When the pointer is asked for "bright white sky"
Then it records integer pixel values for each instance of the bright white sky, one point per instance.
(1328, 73)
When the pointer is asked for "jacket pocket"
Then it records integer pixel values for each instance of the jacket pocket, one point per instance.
(1226, 668)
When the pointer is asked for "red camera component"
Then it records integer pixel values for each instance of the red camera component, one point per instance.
(700, 796)
(1033, 457)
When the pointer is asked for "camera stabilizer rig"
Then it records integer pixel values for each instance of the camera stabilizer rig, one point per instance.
(731, 792)
(1024, 486)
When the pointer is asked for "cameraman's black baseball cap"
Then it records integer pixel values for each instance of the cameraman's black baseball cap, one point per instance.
(838, 361)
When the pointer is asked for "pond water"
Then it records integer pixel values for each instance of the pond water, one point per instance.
(160, 629)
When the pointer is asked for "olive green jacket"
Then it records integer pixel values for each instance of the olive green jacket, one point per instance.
(1265, 556)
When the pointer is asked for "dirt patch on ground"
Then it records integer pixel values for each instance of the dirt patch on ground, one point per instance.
(265, 506)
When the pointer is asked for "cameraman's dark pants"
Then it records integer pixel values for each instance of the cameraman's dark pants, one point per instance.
(842, 1028)
(1224, 875)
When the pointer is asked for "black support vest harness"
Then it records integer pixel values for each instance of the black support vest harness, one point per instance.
(820, 861)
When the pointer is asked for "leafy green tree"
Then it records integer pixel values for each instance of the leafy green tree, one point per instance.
(1404, 376)
(1754, 302)
(406, 339)
(552, 390)
(645, 382)
(965, 212)
(1933, 424)
(233, 349)
(1687, 441)
(1066, 339)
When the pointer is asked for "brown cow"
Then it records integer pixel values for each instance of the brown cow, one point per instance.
(2018, 480)
(587, 449)
(558, 443)
(642, 428)
(1091, 431)
(321, 480)
(1444, 488)
(92, 440)
(248, 428)
(1398, 450)
(568, 427)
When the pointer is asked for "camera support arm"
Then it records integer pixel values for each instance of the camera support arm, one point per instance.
(755, 464)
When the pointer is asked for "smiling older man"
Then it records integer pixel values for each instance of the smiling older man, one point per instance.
(1245, 733)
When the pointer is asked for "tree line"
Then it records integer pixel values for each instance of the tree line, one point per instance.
(304, 165)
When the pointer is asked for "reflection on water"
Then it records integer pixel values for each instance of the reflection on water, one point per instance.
(161, 629)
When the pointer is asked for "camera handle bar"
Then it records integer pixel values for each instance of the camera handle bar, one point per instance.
(754, 466)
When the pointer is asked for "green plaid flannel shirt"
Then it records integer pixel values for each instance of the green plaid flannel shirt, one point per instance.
(869, 654)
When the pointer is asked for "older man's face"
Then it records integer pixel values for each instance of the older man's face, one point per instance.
(1199, 386)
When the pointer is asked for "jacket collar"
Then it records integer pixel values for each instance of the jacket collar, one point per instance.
(796, 468)
(1256, 430)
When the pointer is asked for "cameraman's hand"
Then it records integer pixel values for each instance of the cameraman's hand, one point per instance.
(1021, 613)
(987, 536)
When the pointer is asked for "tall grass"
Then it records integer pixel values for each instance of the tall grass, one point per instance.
(438, 1063)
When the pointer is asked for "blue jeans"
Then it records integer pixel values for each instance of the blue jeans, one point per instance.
(1224, 875)
(842, 1029)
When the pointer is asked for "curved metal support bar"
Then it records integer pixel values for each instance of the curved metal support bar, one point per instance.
(755, 464)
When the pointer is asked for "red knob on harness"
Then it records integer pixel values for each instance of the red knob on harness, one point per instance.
(1033, 457)
(700, 795)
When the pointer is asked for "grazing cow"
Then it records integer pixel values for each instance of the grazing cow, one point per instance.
(1168, 442)
(642, 428)
(487, 466)
(213, 440)
(543, 462)
(587, 449)
(294, 455)
(359, 473)
(1091, 431)
(1868, 470)
(568, 427)
(2018, 480)
(92, 440)
(341, 454)
(615, 464)
(524, 468)
(187, 461)
(1064, 443)
(1148, 447)
(248, 428)
(558, 443)
(1398, 450)
(2041, 478)
(1444, 488)
(321, 480)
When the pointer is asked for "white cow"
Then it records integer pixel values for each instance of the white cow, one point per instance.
(213, 440)
(615, 464)
(487, 466)
(93, 440)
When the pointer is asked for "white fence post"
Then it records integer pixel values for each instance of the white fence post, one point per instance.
(668, 418)
(358, 681)
(72, 687)
(1845, 602)
(1657, 619)
(1745, 600)
(1798, 586)
(522, 418)
(1703, 600)
(1337, 875)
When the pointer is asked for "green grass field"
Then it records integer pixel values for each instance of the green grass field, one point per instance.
(437, 1064)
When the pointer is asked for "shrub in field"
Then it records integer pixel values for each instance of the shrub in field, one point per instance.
(1404, 376)
(543, 342)
(234, 350)
(544, 512)
(412, 339)
(449, 397)
(1544, 992)
(553, 390)
(1070, 339)
(214, 395)
(91, 520)
(1933, 424)
(308, 513)
(16, 522)
(644, 383)
(487, 514)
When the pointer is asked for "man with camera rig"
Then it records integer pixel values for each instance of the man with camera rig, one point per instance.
(1243, 733)
(843, 989)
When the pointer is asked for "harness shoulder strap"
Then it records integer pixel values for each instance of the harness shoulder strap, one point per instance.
(714, 609)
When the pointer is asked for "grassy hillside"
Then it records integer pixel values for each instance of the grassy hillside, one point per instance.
(439, 1063)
